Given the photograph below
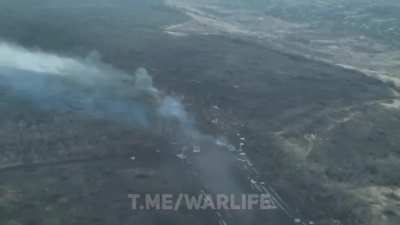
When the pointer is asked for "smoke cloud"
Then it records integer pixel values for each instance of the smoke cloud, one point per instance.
(86, 86)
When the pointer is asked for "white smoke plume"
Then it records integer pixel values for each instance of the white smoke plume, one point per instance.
(85, 85)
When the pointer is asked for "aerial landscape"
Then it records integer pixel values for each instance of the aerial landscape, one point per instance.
(296, 100)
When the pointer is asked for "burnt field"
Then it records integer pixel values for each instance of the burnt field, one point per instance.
(323, 137)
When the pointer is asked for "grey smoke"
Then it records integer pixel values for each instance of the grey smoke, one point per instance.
(86, 86)
(143, 81)
(171, 108)
(92, 88)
